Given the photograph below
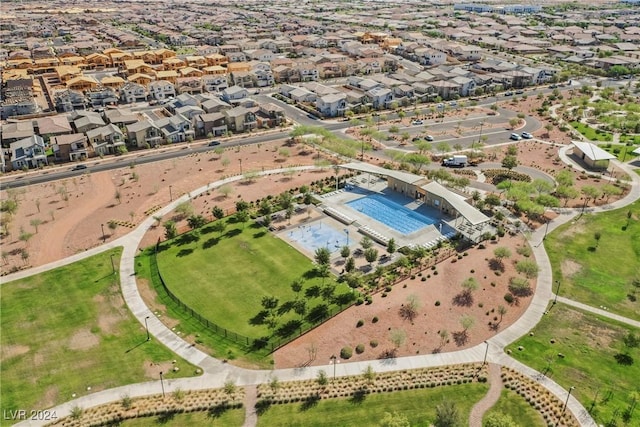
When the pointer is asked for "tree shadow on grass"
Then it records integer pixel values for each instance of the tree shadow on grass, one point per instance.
(166, 417)
(259, 234)
(233, 232)
(359, 396)
(184, 252)
(209, 243)
(310, 402)
(187, 238)
(260, 318)
(624, 359)
(218, 410)
(261, 406)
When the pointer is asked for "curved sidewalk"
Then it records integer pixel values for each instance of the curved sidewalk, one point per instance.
(216, 373)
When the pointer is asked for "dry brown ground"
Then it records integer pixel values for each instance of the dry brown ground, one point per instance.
(75, 225)
(422, 334)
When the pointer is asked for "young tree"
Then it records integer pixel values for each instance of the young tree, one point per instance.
(25, 236)
(469, 285)
(170, 229)
(322, 256)
(394, 419)
(528, 267)
(502, 310)
(35, 223)
(596, 237)
(369, 375)
(117, 195)
(391, 246)
(397, 337)
(196, 221)
(447, 415)
(219, 226)
(242, 217)
(225, 190)
(322, 378)
(350, 265)
(24, 255)
(409, 310)
(509, 162)
(566, 193)
(370, 255)
(217, 212)
(500, 253)
(366, 243)
(467, 322)
(184, 209)
(590, 193)
(345, 251)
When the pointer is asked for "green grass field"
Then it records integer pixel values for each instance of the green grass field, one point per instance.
(602, 275)
(514, 405)
(69, 329)
(225, 278)
(589, 345)
(620, 151)
(229, 418)
(591, 133)
(419, 406)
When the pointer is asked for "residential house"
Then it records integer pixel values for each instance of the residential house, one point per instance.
(381, 97)
(210, 124)
(50, 126)
(240, 119)
(332, 105)
(101, 97)
(70, 148)
(189, 111)
(234, 94)
(429, 57)
(106, 139)
(133, 92)
(86, 121)
(300, 94)
(214, 105)
(144, 134)
(176, 128)
(15, 131)
(446, 89)
(467, 85)
(270, 116)
(161, 90)
(215, 82)
(68, 100)
(28, 153)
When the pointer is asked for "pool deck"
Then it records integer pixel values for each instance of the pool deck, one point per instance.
(359, 223)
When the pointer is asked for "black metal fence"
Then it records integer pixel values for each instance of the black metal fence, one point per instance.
(272, 344)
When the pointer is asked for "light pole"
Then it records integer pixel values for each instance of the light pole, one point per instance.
(486, 351)
(555, 299)
(566, 402)
(146, 327)
(162, 384)
(113, 266)
(334, 361)
(170, 194)
(240, 160)
(104, 238)
(347, 233)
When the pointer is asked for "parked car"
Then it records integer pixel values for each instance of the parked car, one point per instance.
(526, 135)
(213, 143)
(417, 122)
(515, 137)
(428, 138)
(508, 93)
(519, 92)
(79, 167)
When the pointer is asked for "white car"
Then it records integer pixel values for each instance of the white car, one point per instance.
(428, 138)
(515, 137)
(417, 122)
(526, 135)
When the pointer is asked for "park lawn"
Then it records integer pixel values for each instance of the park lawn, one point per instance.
(591, 133)
(419, 406)
(601, 276)
(229, 418)
(589, 344)
(623, 152)
(225, 278)
(634, 139)
(68, 329)
(191, 328)
(514, 405)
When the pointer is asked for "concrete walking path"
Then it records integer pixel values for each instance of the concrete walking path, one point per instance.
(216, 373)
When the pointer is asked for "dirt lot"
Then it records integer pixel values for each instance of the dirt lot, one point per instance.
(69, 216)
(423, 332)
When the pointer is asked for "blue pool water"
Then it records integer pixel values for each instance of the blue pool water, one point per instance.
(319, 235)
(391, 214)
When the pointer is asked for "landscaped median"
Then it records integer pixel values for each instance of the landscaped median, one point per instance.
(67, 333)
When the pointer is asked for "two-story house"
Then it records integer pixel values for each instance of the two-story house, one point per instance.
(70, 148)
(133, 92)
(240, 119)
(332, 105)
(161, 90)
(106, 139)
(234, 94)
(28, 153)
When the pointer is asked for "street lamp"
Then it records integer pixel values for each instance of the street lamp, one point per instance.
(486, 351)
(162, 384)
(555, 299)
(334, 361)
(566, 402)
(347, 233)
(146, 327)
(240, 160)
(104, 237)
(170, 194)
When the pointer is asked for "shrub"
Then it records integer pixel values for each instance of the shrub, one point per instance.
(346, 352)
(360, 348)
(375, 319)
(360, 323)
(437, 303)
(373, 343)
(508, 297)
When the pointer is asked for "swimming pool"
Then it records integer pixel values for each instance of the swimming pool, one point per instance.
(391, 214)
(319, 235)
